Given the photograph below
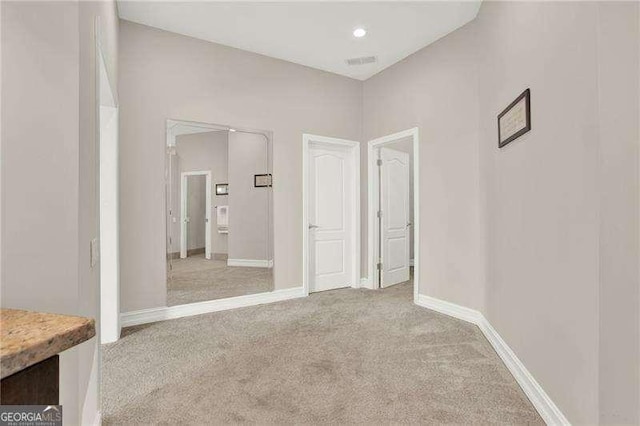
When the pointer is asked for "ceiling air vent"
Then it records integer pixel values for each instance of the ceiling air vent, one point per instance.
(362, 61)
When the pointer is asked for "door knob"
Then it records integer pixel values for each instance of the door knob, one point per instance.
(313, 226)
(409, 224)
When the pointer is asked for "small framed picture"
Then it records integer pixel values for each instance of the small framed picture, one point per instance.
(262, 181)
(515, 120)
(222, 189)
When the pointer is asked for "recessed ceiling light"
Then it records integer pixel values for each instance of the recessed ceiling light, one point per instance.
(359, 32)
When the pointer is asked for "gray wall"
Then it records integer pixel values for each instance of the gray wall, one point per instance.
(248, 206)
(569, 190)
(432, 90)
(619, 133)
(541, 195)
(48, 94)
(164, 75)
(551, 256)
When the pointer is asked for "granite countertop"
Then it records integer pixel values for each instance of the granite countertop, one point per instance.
(27, 337)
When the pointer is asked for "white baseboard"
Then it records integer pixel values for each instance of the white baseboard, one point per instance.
(451, 309)
(251, 263)
(145, 316)
(97, 421)
(549, 412)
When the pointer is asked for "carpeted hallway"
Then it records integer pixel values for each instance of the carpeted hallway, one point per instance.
(344, 356)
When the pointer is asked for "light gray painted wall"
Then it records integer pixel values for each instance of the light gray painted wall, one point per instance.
(164, 75)
(48, 94)
(432, 90)
(541, 195)
(23, 26)
(558, 191)
(619, 107)
(551, 258)
(248, 206)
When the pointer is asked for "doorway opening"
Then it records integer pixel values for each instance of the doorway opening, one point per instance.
(195, 214)
(331, 213)
(393, 210)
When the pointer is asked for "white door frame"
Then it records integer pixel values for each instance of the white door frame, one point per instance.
(354, 150)
(183, 212)
(371, 205)
(108, 196)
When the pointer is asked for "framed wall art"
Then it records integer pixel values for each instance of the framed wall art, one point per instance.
(515, 120)
(262, 181)
(222, 189)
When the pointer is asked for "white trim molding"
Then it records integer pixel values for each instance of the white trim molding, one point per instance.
(549, 411)
(366, 283)
(145, 316)
(97, 421)
(251, 263)
(451, 309)
(106, 132)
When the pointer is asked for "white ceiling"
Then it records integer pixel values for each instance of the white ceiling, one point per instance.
(315, 34)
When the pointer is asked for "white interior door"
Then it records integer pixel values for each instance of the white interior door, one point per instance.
(331, 175)
(394, 201)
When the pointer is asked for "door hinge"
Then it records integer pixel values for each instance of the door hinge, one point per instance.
(379, 266)
(379, 213)
(379, 162)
